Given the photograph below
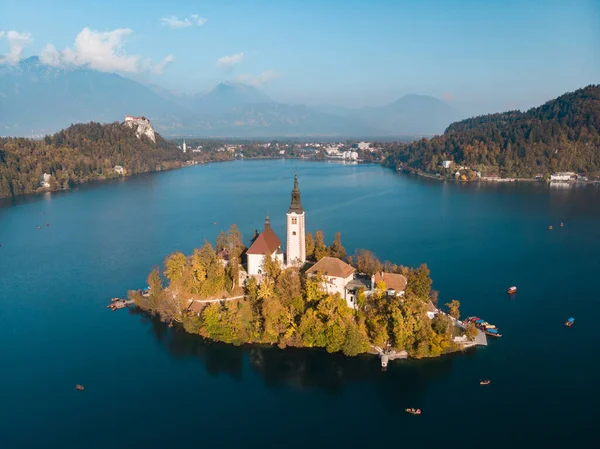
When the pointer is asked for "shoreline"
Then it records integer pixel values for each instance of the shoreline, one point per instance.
(484, 180)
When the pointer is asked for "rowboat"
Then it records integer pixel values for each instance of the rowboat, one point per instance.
(485, 382)
(512, 290)
(413, 411)
(570, 322)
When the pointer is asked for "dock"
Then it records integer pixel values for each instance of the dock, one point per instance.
(117, 303)
(387, 355)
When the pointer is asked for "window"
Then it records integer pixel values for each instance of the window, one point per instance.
(294, 233)
(294, 221)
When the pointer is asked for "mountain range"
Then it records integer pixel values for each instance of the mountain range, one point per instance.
(36, 99)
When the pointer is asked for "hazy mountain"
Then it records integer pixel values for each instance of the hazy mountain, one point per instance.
(274, 119)
(411, 114)
(39, 99)
(225, 97)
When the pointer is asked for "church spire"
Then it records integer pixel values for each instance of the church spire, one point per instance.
(267, 223)
(296, 206)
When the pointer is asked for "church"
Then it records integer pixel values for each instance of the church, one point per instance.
(267, 243)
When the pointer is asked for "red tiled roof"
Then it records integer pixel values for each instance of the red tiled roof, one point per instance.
(392, 280)
(266, 243)
(332, 266)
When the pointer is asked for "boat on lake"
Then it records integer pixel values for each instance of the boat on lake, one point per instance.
(492, 332)
(413, 411)
(512, 290)
(79, 387)
(570, 322)
(485, 382)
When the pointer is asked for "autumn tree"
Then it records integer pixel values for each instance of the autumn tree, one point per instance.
(453, 308)
(419, 282)
(366, 262)
(175, 265)
(310, 246)
(336, 249)
(320, 247)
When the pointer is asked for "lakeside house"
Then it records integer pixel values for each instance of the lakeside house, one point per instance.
(336, 275)
(45, 182)
(563, 176)
(395, 283)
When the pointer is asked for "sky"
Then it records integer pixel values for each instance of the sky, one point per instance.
(480, 56)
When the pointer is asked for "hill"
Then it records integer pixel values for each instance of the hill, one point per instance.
(80, 153)
(561, 135)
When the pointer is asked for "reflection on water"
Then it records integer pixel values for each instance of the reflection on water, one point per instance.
(302, 368)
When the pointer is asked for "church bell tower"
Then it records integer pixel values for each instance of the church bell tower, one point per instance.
(296, 244)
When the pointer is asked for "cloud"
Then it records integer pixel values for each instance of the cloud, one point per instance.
(174, 22)
(263, 78)
(103, 51)
(158, 68)
(16, 43)
(227, 62)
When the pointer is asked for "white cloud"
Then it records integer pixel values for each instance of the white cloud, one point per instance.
(16, 43)
(158, 68)
(263, 78)
(227, 62)
(103, 51)
(175, 22)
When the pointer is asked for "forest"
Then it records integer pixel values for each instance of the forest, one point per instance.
(288, 308)
(561, 135)
(80, 153)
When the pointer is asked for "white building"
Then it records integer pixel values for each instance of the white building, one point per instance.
(364, 145)
(447, 164)
(119, 169)
(266, 243)
(296, 230)
(563, 176)
(336, 274)
(184, 146)
(45, 182)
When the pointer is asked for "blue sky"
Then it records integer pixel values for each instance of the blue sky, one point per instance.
(480, 56)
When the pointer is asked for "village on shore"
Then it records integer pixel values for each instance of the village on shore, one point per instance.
(311, 295)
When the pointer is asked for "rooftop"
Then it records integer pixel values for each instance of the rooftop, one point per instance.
(266, 243)
(332, 266)
(392, 280)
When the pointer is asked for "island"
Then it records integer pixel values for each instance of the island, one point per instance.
(312, 295)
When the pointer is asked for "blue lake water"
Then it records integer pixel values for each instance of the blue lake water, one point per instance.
(152, 387)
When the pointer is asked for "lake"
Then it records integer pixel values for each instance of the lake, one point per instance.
(147, 386)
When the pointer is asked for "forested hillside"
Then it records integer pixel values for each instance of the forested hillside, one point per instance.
(78, 154)
(561, 135)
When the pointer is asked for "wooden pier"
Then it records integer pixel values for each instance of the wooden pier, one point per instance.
(117, 303)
